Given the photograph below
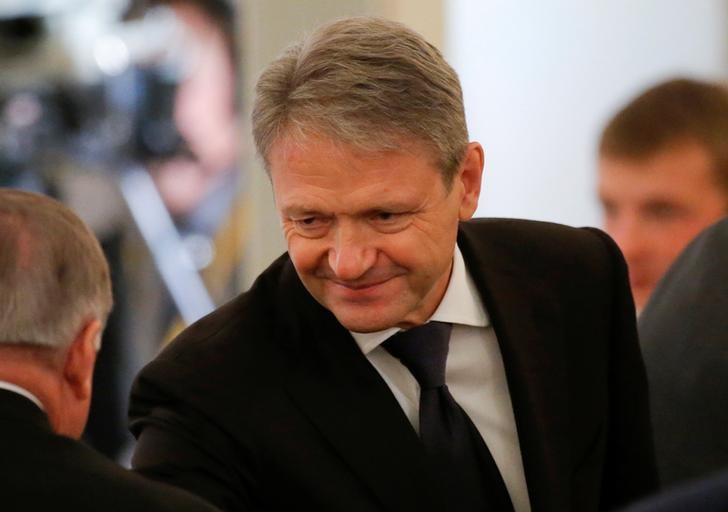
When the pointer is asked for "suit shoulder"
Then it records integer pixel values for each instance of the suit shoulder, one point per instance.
(530, 242)
(121, 485)
(698, 272)
(81, 479)
(524, 230)
(241, 342)
(251, 314)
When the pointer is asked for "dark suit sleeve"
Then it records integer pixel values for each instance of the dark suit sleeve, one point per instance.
(629, 471)
(180, 445)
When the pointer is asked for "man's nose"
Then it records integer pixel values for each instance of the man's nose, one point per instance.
(352, 253)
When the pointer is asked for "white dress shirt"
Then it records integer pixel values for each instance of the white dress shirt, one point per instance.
(474, 374)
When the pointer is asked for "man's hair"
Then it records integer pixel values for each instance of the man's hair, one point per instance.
(679, 111)
(53, 273)
(370, 83)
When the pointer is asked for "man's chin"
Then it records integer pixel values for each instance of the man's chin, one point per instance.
(366, 322)
(364, 327)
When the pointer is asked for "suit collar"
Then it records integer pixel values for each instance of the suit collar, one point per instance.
(461, 304)
(342, 394)
(17, 408)
(21, 391)
(528, 324)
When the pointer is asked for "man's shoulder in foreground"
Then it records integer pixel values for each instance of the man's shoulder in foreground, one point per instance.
(42, 469)
(121, 489)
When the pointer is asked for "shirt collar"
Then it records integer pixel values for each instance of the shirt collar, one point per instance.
(461, 304)
(9, 386)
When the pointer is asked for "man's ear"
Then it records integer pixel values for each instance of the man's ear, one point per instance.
(470, 175)
(78, 368)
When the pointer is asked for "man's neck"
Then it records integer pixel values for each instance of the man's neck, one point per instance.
(20, 369)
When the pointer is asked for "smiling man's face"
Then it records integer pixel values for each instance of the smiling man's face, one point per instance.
(371, 235)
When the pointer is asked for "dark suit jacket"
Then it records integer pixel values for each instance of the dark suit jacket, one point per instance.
(41, 471)
(708, 495)
(268, 403)
(684, 335)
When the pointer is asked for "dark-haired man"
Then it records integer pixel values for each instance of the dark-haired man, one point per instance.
(663, 175)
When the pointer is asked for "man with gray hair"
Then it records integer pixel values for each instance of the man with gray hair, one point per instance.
(400, 356)
(55, 296)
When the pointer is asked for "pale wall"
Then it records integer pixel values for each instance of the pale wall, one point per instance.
(541, 78)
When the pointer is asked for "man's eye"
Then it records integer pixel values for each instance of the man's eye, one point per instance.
(385, 216)
(390, 222)
(311, 226)
(664, 211)
(609, 208)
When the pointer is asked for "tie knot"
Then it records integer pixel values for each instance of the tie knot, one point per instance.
(423, 350)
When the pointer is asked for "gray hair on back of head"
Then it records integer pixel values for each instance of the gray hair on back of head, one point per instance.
(54, 276)
(370, 83)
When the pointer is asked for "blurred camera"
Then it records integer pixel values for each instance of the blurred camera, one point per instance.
(78, 82)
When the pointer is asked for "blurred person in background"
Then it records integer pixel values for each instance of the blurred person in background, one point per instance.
(684, 336)
(685, 327)
(73, 125)
(193, 162)
(55, 297)
(55, 140)
(663, 175)
(198, 178)
(663, 178)
(204, 109)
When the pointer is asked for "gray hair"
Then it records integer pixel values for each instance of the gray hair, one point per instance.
(370, 83)
(53, 273)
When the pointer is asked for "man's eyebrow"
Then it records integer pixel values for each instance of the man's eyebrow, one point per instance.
(297, 209)
(303, 209)
(661, 203)
(389, 208)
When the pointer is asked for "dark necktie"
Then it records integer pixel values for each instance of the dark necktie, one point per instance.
(453, 444)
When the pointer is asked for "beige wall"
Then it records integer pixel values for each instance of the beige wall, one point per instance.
(268, 26)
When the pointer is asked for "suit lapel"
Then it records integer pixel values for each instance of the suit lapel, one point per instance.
(341, 393)
(527, 323)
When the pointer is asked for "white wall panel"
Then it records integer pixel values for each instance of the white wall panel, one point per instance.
(541, 77)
